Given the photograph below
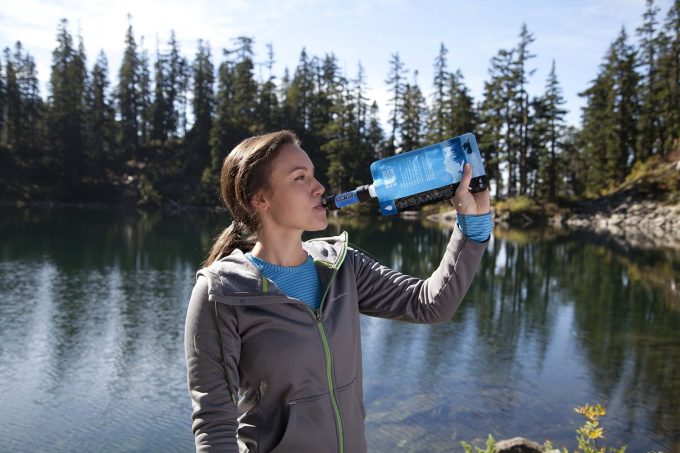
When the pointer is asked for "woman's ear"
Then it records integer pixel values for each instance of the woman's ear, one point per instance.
(259, 202)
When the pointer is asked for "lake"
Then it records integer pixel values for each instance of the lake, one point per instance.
(92, 306)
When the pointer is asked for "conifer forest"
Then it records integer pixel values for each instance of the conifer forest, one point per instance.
(153, 129)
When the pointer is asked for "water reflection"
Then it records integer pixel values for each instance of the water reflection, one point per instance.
(552, 321)
(91, 320)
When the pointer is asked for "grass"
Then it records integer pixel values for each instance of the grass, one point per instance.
(516, 205)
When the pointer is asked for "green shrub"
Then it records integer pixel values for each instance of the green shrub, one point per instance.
(589, 435)
(490, 446)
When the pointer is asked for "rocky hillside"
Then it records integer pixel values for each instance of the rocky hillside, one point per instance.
(644, 210)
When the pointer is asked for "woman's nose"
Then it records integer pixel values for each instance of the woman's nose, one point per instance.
(319, 189)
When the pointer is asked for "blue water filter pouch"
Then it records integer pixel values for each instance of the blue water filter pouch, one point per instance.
(427, 174)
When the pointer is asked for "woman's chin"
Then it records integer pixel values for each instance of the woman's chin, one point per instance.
(318, 225)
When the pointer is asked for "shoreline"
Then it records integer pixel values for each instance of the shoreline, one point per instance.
(641, 224)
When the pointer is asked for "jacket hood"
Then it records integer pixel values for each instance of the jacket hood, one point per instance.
(235, 275)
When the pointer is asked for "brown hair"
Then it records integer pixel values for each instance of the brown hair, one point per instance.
(246, 170)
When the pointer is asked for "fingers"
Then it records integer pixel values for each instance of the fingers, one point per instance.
(464, 185)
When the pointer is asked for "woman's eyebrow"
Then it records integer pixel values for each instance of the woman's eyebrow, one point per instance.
(300, 167)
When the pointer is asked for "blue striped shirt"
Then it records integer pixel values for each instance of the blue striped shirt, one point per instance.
(300, 282)
(477, 227)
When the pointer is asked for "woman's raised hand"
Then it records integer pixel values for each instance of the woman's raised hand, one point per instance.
(467, 202)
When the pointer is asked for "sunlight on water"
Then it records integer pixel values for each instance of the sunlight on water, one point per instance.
(92, 309)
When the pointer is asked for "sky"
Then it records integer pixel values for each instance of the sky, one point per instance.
(574, 33)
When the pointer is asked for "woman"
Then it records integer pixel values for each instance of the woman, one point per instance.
(277, 319)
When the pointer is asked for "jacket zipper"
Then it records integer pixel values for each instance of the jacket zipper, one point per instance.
(329, 377)
(316, 315)
(329, 360)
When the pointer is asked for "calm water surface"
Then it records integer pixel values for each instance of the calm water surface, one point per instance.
(92, 307)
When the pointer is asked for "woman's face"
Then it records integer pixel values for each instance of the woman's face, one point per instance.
(293, 200)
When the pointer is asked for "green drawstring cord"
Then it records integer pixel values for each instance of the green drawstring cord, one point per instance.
(224, 361)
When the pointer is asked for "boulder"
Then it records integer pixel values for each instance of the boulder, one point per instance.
(520, 445)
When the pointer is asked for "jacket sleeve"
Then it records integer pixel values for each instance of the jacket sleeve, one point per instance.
(386, 293)
(214, 415)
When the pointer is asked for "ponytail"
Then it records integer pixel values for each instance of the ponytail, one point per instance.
(233, 237)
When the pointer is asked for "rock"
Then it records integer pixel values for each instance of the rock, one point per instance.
(615, 219)
(615, 230)
(647, 224)
(635, 208)
(601, 223)
(519, 445)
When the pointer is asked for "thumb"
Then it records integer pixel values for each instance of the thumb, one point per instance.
(464, 186)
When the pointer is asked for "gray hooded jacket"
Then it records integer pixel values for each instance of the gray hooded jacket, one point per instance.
(298, 370)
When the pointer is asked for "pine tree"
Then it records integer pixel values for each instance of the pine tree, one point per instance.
(375, 136)
(23, 114)
(520, 75)
(12, 106)
(309, 103)
(285, 106)
(545, 135)
(100, 119)
(159, 110)
(573, 163)
(169, 105)
(669, 79)
(610, 117)
(334, 116)
(203, 102)
(220, 139)
(337, 134)
(145, 101)
(66, 111)
(462, 116)
(500, 137)
(441, 109)
(326, 101)
(361, 103)
(397, 88)
(3, 104)
(626, 107)
(297, 100)
(650, 136)
(128, 97)
(554, 115)
(538, 160)
(490, 131)
(34, 110)
(183, 86)
(175, 87)
(245, 89)
(413, 112)
(597, 122)
(236, 114)
(268, 115)
(363, 145)
(352, 135)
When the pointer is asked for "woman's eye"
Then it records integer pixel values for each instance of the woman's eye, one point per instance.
(300, 178)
